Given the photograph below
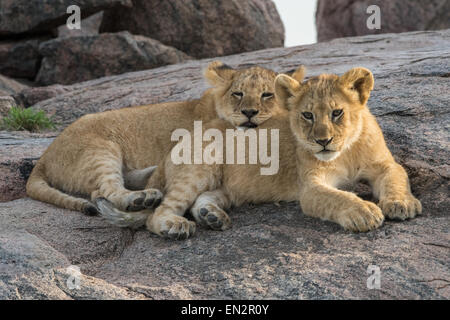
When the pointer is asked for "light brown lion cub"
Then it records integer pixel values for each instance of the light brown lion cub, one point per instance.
(110, 154)
(328, 139)
(339, 141)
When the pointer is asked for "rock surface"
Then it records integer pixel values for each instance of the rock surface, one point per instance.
(6, 103)
(39, 271)
(271, 251)
(201, 28)
(33, 95)
(74, 59)
(419, 56)
(9, 87)
(19, 152)
(36, 16)
(20, 58)
(347, 18)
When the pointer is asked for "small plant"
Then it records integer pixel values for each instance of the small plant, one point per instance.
(26, 119)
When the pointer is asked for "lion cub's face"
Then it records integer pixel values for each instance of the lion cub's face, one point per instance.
(246, 97)
(325, 112)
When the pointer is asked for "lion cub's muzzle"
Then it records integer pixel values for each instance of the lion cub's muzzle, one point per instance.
(249, 113)
(324, 142)
(327, 151)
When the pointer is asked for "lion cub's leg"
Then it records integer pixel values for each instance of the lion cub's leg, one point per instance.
(321, 200)
(183, 185)
(105, 171)
(392, 189)
(208, 210)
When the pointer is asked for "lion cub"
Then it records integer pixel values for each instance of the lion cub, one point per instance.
(328, 138)
(110, 154)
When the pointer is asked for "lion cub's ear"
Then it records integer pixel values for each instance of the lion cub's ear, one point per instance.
(299, 74)
(285, 88)
(217, 73)
(358, 82)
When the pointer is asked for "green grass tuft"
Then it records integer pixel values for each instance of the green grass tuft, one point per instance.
(26, 119)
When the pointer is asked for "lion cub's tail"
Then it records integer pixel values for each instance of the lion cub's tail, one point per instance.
(38, 188)
(120, 218)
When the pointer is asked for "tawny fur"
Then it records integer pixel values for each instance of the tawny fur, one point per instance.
(357, 151)
(107, 154)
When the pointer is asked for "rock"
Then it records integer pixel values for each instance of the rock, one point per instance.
(74, 59)
(9, 86)
(347, 18)
(36, 270)
(33, 95)
(6, 103)
(202, 28)
(20, 58)
(37, 16)
(19, 152)
(89, 26)
(389, 54)
(271, 251)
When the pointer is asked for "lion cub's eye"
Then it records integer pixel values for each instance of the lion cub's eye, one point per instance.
(267, 95)
(307, 115)
(336, 113)
(237, 94)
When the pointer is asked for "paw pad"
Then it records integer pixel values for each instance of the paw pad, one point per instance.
(214, 218)
(147, 199)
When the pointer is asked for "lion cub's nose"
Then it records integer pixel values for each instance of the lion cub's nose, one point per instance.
(324, 142)
(250, 112)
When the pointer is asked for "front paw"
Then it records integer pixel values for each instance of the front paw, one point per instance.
(401, 209)
(169, 225)
(361, 217)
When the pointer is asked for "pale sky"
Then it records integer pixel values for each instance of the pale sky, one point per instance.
(298, 17)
